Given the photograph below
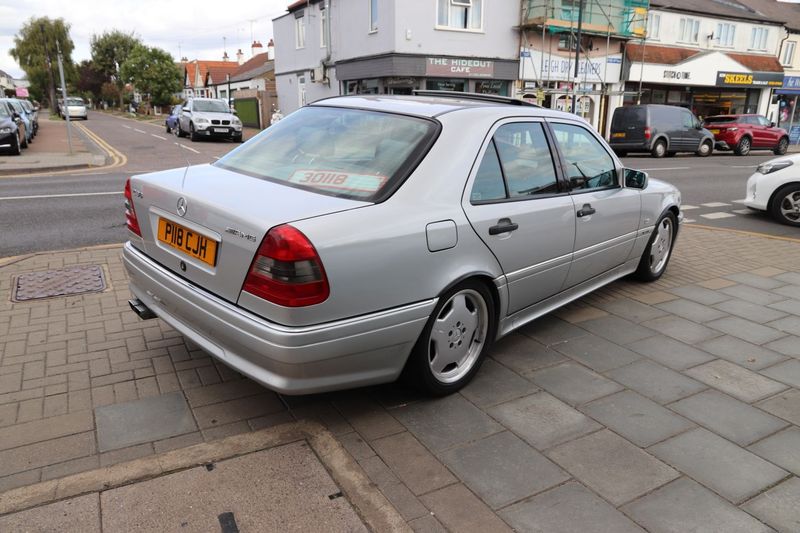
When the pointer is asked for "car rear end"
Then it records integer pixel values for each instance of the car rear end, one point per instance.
(76, 108)
(630, 130)
(727, 130)
(252, 257)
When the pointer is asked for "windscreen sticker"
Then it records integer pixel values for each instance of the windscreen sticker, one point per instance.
(338, 181)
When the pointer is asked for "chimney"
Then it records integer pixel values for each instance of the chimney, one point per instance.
(225, 56)
(271, 50)
(256, 48)
(239, 56)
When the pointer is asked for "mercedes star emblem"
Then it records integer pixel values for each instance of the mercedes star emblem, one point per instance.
(181, 206)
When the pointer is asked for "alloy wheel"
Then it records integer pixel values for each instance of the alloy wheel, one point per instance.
(661, 246)
(790, 207)
(458, 336)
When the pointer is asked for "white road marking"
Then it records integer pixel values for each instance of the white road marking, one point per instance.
(215, 157)
(126, 126)
(742, 211)
(184, 146)
(665, 168)
(158, 137)
(39, 196)
(687, 207)
(689, 221)
(739, 201)
(718, 214)
(715, 204)
(139, 131)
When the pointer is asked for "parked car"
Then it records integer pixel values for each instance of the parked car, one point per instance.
(658, 129)
(12, 137)
(33, 113)
(364, 235)
(742, 133)
(205, 118)
(76, 108)
(775, 188)
(171, 121)
(16, 107)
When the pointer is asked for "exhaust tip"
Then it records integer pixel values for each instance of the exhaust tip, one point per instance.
(141, 310)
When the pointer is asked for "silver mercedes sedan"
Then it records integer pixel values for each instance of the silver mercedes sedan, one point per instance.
(362, 237)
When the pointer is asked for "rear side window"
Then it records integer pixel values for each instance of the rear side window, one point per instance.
(589, 166)
(350, 153)
(629, 116)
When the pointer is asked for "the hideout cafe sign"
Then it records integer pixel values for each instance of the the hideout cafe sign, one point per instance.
(535, 65)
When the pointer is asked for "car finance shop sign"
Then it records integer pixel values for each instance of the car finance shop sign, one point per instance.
(449, 67)
(750, 79)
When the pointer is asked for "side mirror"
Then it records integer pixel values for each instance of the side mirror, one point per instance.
(635, 179)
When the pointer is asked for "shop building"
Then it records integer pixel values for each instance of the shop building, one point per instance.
(725, 63)
(330, 47)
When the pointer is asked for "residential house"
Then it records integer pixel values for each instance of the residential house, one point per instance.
(6, 82)
(200, 75)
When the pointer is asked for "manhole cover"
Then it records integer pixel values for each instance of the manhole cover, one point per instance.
(63, 282)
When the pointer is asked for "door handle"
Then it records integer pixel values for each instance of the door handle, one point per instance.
(504, 225)
(586, 210)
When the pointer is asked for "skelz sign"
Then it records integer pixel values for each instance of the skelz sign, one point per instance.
(459, 68)
(749, 79)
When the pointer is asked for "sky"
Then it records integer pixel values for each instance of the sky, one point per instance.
(193, 29)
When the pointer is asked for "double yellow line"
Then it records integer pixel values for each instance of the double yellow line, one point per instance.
(117, 158)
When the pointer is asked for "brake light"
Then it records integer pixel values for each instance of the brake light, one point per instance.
(287, 270)
(130, 213)
(647, 132)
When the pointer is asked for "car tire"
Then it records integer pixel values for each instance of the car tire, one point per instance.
(672, 154)
(621, 153)
(743, 146)
(455, 340)
(169, 130)
(783, 146)
(24, 143)
(15, 149)
(656, 255)
(192, 134)
(659, 148)
(706, 148)
(785, 205)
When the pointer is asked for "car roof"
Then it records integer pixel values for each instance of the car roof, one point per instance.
(433, 106)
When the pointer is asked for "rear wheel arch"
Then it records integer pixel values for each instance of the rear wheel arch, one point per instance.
(486, 280)
(778, 190)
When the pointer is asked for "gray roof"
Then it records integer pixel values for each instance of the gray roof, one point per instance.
(786, 12)
(737, 9)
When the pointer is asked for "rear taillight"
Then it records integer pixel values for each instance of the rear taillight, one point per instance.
(647, 133)
(130, 213)
(287, 270)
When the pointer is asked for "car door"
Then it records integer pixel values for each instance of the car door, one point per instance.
(517, 204)
(606, 214)
(768, 134)
(692, 134)
(185, 116)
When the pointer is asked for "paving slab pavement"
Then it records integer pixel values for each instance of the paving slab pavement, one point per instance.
(639, 406)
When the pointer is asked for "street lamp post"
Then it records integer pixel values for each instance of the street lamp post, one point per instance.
(228, 77)
(64, 96)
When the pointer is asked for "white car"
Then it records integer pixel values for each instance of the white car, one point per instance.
(775, 188)
(75, 108)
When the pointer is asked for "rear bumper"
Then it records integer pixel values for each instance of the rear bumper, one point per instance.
(347, 353)
(630, 146)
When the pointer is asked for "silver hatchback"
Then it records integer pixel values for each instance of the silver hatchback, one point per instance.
(363, 237)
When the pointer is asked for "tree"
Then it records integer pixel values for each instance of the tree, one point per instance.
(37, 40)
(90, 79)
(110, 50)
(152, 71)
(109, 92)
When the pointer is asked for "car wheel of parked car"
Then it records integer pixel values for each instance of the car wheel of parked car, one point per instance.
(783, 145)
(743, 148)
(15, 147)
(659, 249)
(169, 130)
(785, 205)
(24, 142)
(659, 148)
(192, 134)
(705, 149)
(452, 346)
(672, 154)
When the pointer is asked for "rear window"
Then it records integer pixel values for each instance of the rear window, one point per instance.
(350, 153)
(74, 101)
(720, 120)
(629, 116)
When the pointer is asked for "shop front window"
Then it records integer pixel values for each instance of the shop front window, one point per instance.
(492, 87)
(446, 85)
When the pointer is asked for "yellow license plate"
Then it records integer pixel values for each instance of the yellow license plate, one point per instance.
(618, 134)
(714, 131)
(187, 241)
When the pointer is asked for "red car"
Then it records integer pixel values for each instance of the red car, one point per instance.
(741, 133)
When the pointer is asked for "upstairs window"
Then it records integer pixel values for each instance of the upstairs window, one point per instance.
(300, 31)
(460, 14)
(725, 34)
(323, 19)
(758, 38)
(788, 53)
(688, 30)
(653, 26)
(373, 15)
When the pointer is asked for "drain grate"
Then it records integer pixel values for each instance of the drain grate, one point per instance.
(63, 282)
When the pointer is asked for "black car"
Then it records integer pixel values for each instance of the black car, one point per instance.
(658, 129)
(12, 139)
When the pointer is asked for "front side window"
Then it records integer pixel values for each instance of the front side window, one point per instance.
(758, 38)
(460, 14)
(725, 34)
(653, 26)
(589, 166)
(762, 121)
(373, 15)
(300, 32)
(688, 30)
(349, 153)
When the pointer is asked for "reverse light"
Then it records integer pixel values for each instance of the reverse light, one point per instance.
(773, 166)
(130, 212)
(287, 270)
